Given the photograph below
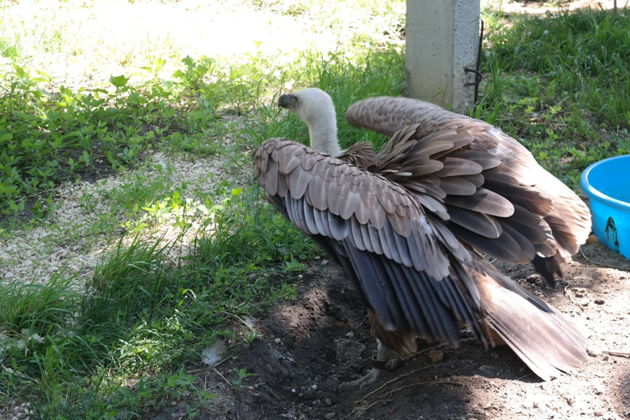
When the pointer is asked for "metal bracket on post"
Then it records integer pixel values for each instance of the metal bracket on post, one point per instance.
(476, 71)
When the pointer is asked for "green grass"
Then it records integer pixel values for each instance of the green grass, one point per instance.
(50, 138)
(560, 84)
(124, 346)
(142, 319)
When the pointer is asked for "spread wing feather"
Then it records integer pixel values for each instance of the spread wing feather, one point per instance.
(396, 254)
(505, 176)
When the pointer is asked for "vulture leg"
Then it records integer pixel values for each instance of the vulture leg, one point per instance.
(549, 267)
(385, 360)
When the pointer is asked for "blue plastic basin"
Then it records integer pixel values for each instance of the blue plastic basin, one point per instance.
(607, 185)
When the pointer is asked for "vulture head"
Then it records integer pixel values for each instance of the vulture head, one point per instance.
(315, 108)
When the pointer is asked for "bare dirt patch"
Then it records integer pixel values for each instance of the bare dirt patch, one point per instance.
(309, 347)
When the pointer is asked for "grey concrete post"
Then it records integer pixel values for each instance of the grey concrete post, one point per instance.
(442, 39)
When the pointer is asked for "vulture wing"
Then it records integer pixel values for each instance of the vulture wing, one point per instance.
(486, 185)
(417, 278)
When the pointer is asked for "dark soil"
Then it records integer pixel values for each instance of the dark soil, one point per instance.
(309, 347)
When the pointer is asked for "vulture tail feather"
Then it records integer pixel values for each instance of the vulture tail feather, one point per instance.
(549, 344)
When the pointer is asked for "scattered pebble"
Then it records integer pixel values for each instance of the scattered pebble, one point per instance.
(532, 278)
(328, 402)
(329, 416)
(436, 356)
(599, 301)
(594, 351)
(584, 301)
(22, 412)
(579, 292)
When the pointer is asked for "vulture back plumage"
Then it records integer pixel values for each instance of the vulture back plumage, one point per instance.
(407, 224)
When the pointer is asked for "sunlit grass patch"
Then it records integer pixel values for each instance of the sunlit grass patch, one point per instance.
(560, 84)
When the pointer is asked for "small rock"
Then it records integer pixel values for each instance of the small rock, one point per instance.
(594, 351)
(328, 402)
(329, 416)
(532, 278)
(599, 389)
(350, 334)
(277, 340)
(324, 262)
(583, 301)
(599, 301)
(436, 356)
(579, 292)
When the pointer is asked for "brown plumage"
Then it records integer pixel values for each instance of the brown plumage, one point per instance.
(406, 224)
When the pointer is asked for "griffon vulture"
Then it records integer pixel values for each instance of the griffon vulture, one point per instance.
(410, 224)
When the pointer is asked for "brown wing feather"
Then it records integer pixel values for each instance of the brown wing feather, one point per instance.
(379, 233)
(347, 192)
(508, 172)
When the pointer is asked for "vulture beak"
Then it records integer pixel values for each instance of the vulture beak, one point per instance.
(287, 101)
